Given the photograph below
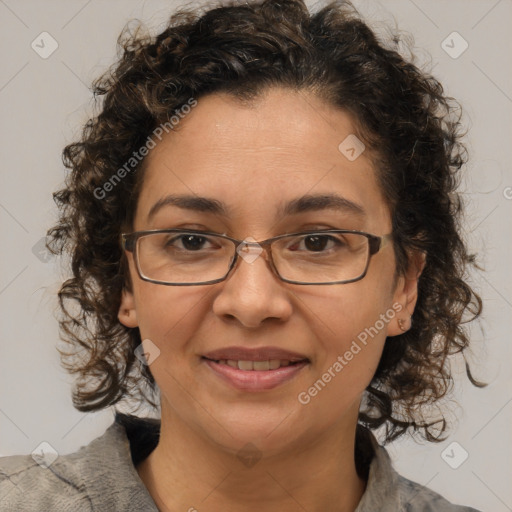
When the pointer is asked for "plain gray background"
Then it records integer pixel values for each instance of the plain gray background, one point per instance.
(43, 105)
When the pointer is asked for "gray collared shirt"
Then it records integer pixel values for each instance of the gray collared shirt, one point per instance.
(102, 477)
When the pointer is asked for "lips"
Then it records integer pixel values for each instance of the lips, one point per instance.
(255, 369)
(260, 354)
(272, 364)
(255, 381)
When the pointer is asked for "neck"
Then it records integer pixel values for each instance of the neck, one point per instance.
(189, 471)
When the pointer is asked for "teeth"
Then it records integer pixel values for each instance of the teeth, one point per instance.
(272, 364)
(261, 365)
(245, 365)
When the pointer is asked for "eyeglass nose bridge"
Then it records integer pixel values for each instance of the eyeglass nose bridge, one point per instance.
(250, 250)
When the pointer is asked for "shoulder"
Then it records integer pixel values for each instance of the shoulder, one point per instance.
(99, 476)
(388, 491)
(24, 482)
(415, 497)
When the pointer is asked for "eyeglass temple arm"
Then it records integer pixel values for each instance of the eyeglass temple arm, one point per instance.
(378, 242)
(127, 242)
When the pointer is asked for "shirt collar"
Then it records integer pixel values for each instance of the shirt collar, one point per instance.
(382, 487)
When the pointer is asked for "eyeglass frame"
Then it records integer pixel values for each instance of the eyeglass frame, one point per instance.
(375, 244)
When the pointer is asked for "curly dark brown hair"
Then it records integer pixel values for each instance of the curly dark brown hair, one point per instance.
(403, 115)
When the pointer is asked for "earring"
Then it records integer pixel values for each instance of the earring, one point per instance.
(401, 324)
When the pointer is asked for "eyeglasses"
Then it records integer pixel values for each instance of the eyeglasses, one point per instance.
(180, 257)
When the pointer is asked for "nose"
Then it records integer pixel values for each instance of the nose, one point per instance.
(253, 293)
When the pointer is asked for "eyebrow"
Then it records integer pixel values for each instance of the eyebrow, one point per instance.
(186, 202)
(306, 203)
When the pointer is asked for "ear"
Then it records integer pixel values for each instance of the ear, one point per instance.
(406, 294)
(127, 314)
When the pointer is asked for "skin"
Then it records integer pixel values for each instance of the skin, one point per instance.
(254, 158)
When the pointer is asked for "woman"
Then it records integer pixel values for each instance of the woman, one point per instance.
(264, 231)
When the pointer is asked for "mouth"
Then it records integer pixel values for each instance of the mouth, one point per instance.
(259, 366)
(254, 370)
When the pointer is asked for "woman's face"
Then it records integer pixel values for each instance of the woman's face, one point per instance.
(255, 160)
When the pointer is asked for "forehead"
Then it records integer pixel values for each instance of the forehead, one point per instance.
(284, 145)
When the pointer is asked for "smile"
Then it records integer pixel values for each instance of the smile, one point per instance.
(272, 364)
(254, 376)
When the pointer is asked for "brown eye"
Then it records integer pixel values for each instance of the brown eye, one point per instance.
(191, 242)
(316, 243)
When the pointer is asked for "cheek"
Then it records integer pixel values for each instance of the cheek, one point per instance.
(351, 326)
(355, 336)
(351, 312)
(352, 335)
(169, 316)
